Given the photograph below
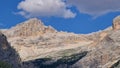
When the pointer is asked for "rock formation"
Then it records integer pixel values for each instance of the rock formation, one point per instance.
(33, 27)
(104, 55)
(7, 54)
(41, 46)
(116, 23)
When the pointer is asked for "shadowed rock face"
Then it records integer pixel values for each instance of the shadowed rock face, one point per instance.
(7, 53)
(63, 62)
(116, 65)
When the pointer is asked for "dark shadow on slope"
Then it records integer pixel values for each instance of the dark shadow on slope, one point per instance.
(8, 55)
(116, 65)
(63, 62)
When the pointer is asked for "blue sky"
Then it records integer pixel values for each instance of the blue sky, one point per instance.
(78, 16)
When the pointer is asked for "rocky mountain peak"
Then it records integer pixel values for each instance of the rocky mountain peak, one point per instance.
(116, 23)
(31, 27)
(33, 21)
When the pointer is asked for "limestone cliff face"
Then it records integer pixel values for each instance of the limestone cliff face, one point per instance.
(41, 46)
(32, 27)
(116, 23)
(104, 54)
(7, 53)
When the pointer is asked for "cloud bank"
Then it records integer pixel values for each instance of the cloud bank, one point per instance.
(96, 7)
(60, 8)
(45, 8)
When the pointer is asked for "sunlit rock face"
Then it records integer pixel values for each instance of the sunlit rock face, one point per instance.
(116, 23)
(32, 27)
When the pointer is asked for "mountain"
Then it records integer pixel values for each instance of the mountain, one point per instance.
(33, 27)
(41, 46)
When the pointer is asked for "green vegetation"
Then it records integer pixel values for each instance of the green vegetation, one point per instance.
(4, 65)
(64, 60)
(72, 58)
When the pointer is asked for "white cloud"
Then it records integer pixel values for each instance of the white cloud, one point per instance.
(96, 7)
(45, 8)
